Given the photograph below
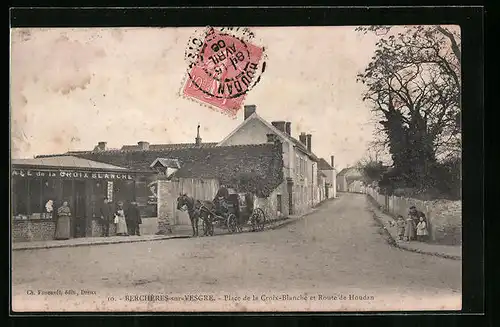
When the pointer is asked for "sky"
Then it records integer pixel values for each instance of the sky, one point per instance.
(71, 88)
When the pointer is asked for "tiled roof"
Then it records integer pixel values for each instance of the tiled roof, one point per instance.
(233, 165)
(324, 165)
(131, 148)
(343, 172)
(348, 169)
(65, 161)
(172, 146)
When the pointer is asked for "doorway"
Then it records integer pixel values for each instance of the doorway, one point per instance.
(80, 214)
(290, 197)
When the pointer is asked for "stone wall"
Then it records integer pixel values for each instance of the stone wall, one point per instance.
(33, 230)
(98, 230)
(444, 217)
(270, 204)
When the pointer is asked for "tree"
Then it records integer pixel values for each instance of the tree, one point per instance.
(372, 170)
(413, 83)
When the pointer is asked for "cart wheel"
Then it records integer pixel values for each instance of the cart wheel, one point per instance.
(258, 219)
(232, 223)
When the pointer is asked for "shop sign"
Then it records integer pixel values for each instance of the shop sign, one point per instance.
(110, 191)
(69, 174)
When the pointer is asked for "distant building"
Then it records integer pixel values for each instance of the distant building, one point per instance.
(330, 177)
(347, 176)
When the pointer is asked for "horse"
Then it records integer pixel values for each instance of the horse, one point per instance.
(196, 209)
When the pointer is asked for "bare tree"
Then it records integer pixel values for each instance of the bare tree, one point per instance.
(413, 83)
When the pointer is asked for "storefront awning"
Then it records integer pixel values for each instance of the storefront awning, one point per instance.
(66, 162)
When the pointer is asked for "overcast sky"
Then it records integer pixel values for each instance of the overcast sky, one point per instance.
(71, 88)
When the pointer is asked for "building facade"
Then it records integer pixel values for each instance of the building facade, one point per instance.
(82, 183)
(299, 192)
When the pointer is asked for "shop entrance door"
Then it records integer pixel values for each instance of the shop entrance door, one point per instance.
(80, 214)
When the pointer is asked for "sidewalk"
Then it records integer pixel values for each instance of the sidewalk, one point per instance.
(179, 231)
(444, 251)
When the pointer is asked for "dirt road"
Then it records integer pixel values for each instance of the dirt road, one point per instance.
(335, 259)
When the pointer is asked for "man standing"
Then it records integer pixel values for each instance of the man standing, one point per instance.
(106, 211)
(133, 217)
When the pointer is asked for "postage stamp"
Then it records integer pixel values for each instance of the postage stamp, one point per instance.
(224, 64)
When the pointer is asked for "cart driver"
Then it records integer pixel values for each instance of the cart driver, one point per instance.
(220, 200)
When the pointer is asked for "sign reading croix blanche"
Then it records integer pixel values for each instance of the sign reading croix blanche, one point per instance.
(224, 64)
(70, 174)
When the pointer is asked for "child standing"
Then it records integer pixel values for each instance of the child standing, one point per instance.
(400, 225)
(421, 230)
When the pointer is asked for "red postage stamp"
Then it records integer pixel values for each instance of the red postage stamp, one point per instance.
(223, 68)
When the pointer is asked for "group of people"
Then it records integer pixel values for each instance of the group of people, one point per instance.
(414, 227)
(127, 221)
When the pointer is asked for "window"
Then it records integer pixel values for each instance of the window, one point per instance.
(279, 204)
(31, 195)
(35, 195)
(20, 196)
(297, 164)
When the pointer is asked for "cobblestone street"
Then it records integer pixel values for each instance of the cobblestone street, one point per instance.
(338, 251)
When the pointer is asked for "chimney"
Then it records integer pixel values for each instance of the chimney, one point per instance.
(332, 161)
(302, 138)
(271, 138)
(143, 145)
(279, 125)
(197, 140)
(308, 138)
(288, 128)
(101, 146)
(249, 110)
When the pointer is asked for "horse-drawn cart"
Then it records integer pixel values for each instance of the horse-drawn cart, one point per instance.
(237, 213)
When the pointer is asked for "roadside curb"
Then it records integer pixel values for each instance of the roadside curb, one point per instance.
(281, 223)
(288, 221)
(99, 243)
(393, 242)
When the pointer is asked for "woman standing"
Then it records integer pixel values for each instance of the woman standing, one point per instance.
(121, 223)
(63, 222)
